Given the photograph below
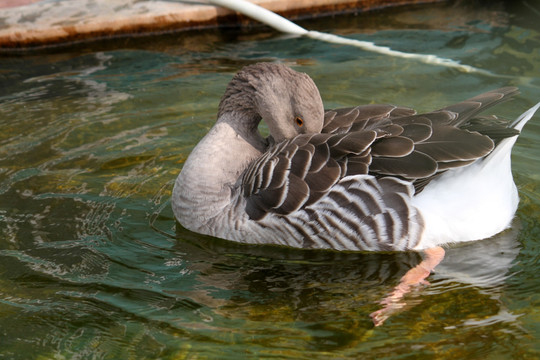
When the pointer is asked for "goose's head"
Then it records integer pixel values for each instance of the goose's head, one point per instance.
(288, 101)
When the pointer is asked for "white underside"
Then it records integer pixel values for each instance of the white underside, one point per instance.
(473, 202)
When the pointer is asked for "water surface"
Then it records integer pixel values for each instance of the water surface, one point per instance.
(93, 135)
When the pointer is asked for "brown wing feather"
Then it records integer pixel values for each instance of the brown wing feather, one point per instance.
(298, 172)
(365, 117)
(470, 108)
(420, 146)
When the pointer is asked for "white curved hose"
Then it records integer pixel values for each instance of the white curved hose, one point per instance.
(261, 14)
(281, 24)
(369, 46)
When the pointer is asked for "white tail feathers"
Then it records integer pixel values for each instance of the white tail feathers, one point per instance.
(505, 147)
(523, 118)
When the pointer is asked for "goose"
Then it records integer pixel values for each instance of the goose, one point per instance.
(364, 178)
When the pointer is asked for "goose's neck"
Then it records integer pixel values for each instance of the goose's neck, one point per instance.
(208, 180)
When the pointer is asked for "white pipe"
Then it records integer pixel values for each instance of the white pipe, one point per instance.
(261, 14)
(281, 24)
(369, 46)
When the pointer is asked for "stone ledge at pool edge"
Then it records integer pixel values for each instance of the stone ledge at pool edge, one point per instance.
(27, 23)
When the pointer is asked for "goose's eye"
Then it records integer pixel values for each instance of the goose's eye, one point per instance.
(299, 121)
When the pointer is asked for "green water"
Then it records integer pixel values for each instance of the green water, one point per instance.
(92, 137)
